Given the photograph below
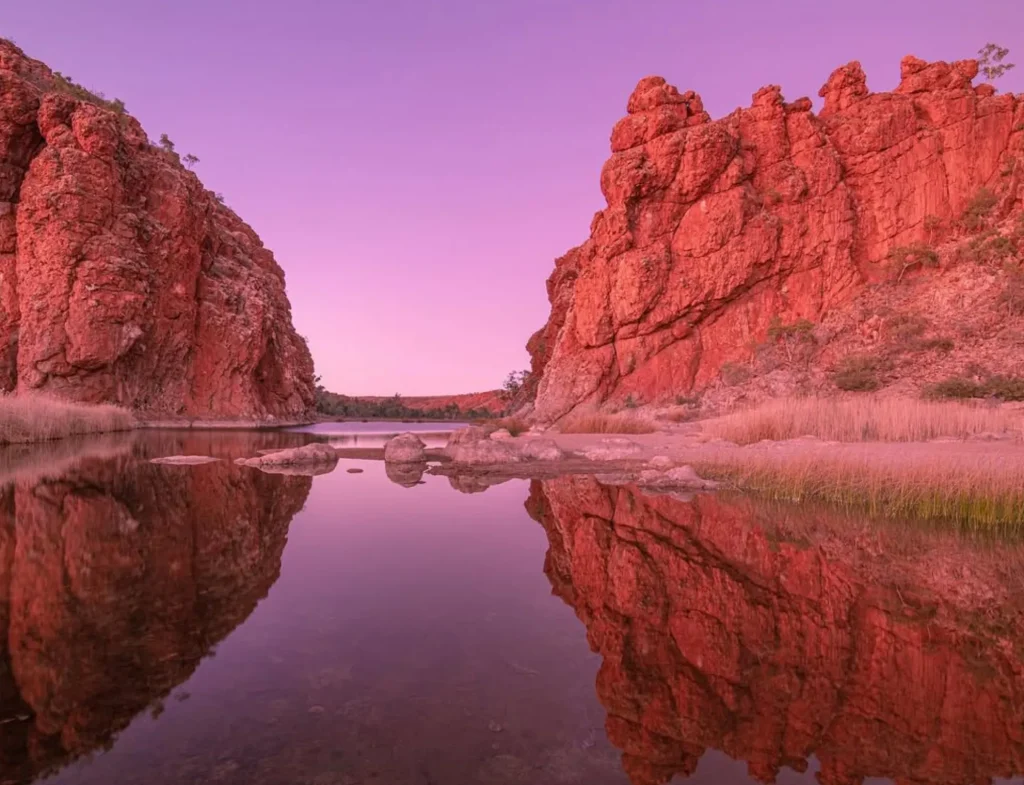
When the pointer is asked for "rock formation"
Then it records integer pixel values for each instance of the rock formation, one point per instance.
(115, 581)
(775, 634)
(715, 230)
(122, 279)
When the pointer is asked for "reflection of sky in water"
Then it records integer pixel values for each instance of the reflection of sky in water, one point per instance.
(376, 433)
(410, 638)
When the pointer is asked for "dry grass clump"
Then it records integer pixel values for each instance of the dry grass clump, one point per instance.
(970, 490)
(606, 423)
(865, 419)
(514, 425)
(38, 418)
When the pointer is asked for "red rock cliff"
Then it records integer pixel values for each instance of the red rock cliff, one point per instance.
(775, 635)
(713, 229)
(122, 278)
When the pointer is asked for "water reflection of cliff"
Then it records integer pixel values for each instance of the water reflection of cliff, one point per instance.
(774, 636)
(116, 579)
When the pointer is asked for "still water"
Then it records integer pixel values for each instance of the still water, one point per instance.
(374, 433)
(194, 624)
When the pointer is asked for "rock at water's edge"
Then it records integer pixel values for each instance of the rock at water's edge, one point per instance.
(405, 448)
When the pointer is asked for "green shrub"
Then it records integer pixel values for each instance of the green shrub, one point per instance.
(857, 373)
(978, 209)
(906, 257)
(989, 247)
(954, 387)
(1005, 388)
(65, 84)
(801, 329)
(904, 327)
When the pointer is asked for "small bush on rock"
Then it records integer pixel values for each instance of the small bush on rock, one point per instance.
(978, 209)
(907, 257)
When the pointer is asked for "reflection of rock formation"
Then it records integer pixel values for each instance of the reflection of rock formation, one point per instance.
(408, 475)
(775, 636)
(115, 581)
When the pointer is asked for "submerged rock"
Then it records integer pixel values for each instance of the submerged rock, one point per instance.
(405, 448)
(185, 460)
(310, 455)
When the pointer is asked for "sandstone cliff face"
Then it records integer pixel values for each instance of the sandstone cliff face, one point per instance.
(115, 582)
(714, 229)
(122, 279)
(775, 635)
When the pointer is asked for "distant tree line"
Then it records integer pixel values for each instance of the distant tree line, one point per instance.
(514, 392)
(393, 408)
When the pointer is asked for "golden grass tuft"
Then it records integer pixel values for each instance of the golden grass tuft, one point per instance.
(606, 423)
(38, 418)
(514, 425)
(970, 490)
(862, 419)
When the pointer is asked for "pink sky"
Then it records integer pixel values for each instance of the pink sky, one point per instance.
(416, 166)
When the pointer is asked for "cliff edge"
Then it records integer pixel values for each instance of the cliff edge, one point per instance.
(122, 279)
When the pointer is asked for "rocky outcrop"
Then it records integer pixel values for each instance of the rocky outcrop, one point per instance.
(116, 580)
(714, 230)
(122, 279)
(776, 634)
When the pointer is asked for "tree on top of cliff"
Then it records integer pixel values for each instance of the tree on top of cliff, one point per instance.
(990, 61)
(166, 143)
(513, 384)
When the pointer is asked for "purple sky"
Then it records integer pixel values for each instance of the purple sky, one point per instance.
(416, 166)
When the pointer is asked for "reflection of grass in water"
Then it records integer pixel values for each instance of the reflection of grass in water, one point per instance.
(861, 420)
(34, 462)
(970, 490)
